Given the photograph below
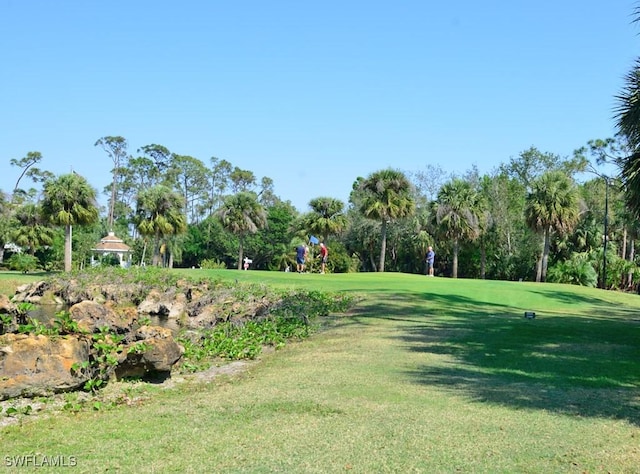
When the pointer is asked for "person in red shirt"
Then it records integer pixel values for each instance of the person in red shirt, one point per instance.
(324, 253)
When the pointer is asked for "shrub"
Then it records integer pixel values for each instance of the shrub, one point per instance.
(22, 262)
(210, 264)
(576, 271)
(291, 318)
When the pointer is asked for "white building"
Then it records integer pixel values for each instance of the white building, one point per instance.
(112, 245)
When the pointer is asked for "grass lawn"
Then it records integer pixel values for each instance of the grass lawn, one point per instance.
(424, 375)
(9, 281)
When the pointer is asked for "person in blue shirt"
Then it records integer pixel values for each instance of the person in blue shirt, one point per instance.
(301, 255)
(431, 256)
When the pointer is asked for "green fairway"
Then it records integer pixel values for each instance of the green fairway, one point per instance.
(424, 375)
(9, 281)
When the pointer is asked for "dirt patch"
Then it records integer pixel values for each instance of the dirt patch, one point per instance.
(233, 368)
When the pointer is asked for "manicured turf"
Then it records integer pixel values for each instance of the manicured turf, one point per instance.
(424, 375)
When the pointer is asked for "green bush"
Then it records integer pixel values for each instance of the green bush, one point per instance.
(22, 262)
(289, 319)
(339, 259)
(210, 264)
(576, 271)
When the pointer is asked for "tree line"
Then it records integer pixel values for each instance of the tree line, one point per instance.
(529, 219)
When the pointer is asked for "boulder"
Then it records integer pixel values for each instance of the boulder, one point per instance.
(31, 293)
(169, 304)
(158, 354)
(206, 318)
(34, 365)
(8, 311)
(6, 306)
(92, 316)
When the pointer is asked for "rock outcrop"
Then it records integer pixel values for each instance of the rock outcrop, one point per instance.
(117, 312)
(33, 365)
(157, 354)
(37, 364)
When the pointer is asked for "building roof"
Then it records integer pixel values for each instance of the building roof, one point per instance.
(111, 243)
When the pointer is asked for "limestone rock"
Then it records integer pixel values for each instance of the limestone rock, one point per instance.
(91, 316)
(33, 365)
(169, 304)
(160, 354)
(31, 293)
(6, 306)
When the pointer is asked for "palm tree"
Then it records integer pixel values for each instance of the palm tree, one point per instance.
(628, 124)
(69, 200)
(160, 213)
(457, 215)
(242, 214)
(173, 250)
(31, 231)
(326, 217)
(551, 206)
(387, 196)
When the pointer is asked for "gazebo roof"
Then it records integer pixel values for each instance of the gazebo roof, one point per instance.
(111, 243)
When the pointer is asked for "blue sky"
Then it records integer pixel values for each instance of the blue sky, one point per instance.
(310, 94)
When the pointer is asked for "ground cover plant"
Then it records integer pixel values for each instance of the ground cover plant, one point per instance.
(424, 375)
(294, 316)
(242, 318)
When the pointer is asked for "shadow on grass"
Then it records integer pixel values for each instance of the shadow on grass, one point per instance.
(583, 365)
(568, 297)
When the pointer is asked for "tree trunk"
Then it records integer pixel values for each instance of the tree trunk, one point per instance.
(456, 249)
(241, 251)
(144, 251)
(383, 246)
(545, 253)
(156, 251)
(67, 248)
(483, 260)
(394, 256)
(539, 268)
(372, 261)
(632, 250)
(539, 265)
(112, 201)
